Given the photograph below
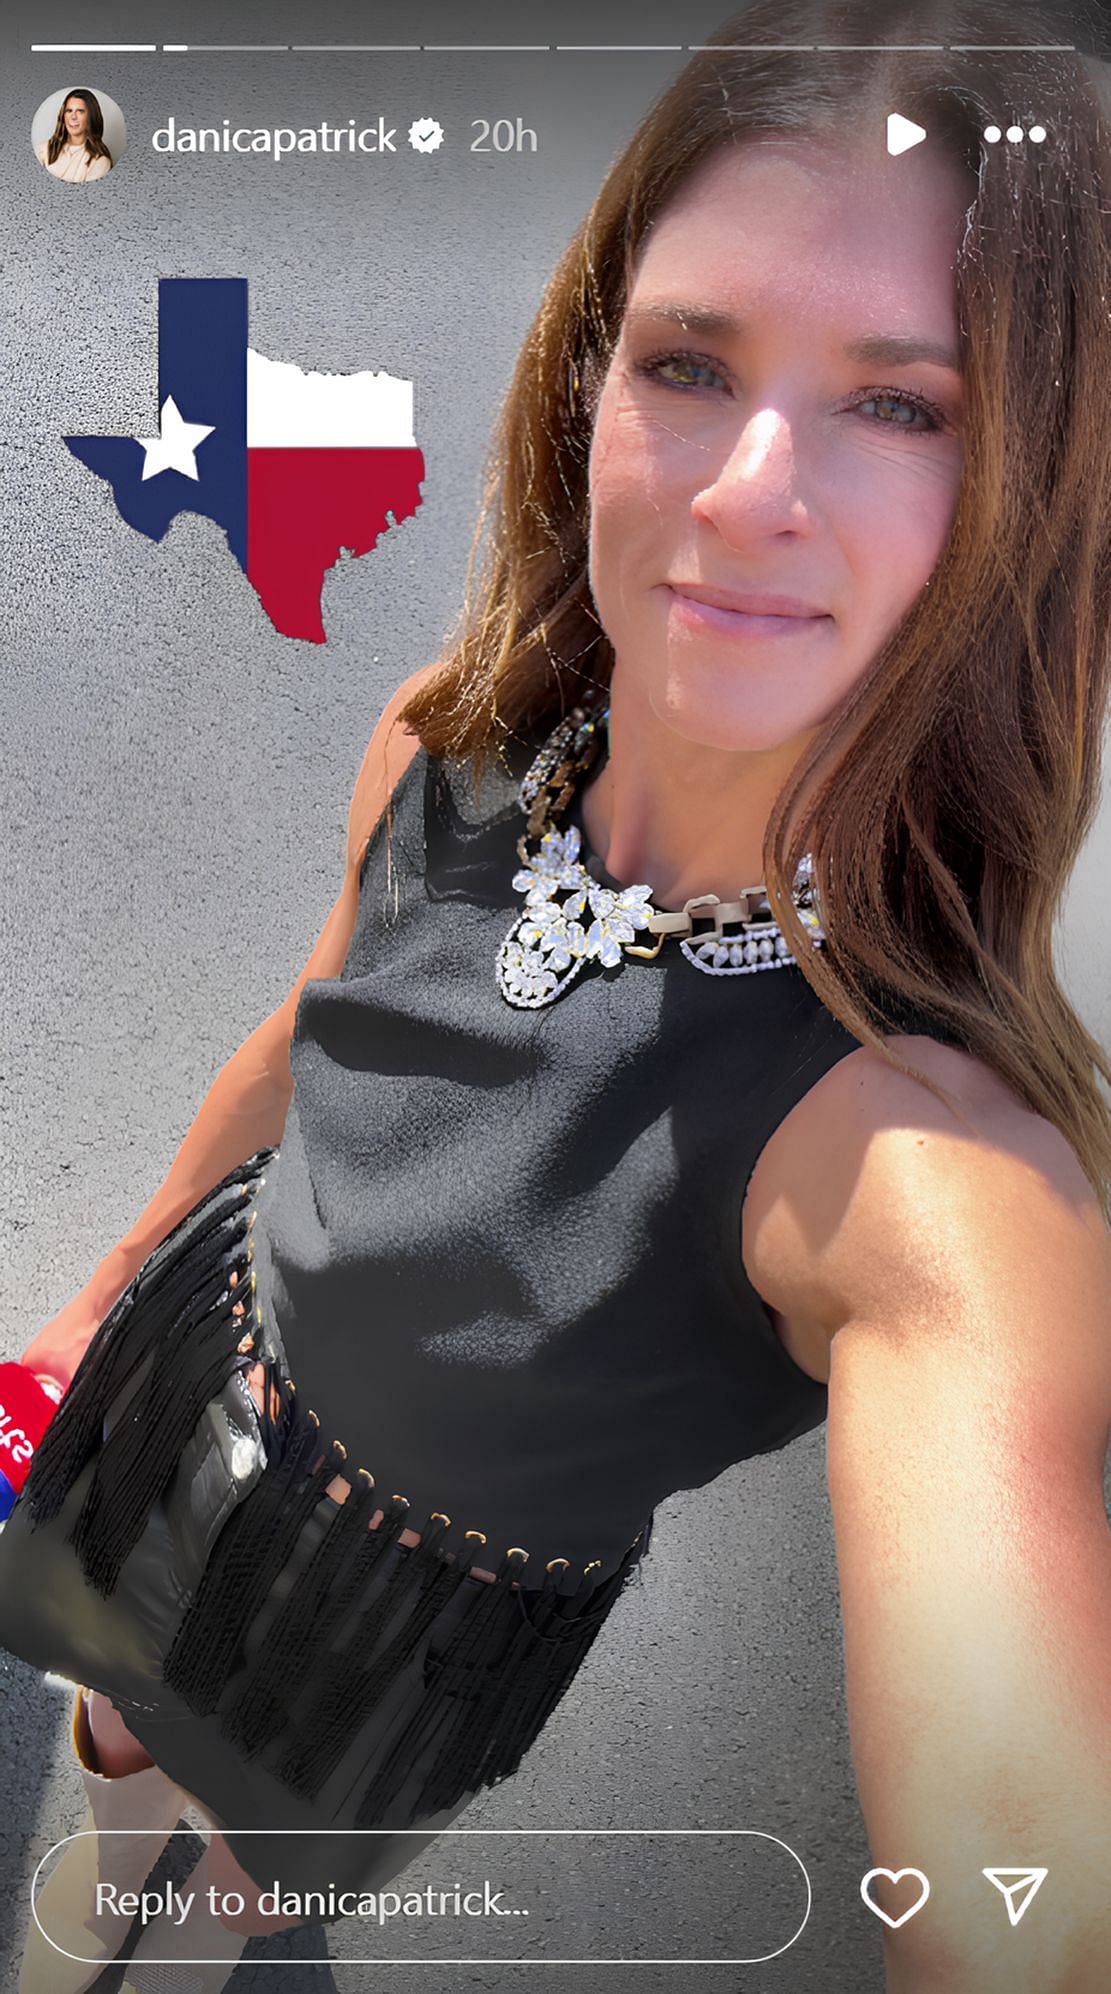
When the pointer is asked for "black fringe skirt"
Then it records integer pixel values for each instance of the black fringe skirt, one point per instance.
(286, 1665)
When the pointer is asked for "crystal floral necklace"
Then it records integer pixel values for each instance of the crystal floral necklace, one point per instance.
(570, 919)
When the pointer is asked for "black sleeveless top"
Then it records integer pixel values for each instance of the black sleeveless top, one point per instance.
(502, 1247)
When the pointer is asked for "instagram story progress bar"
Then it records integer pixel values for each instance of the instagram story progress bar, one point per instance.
(521, 48)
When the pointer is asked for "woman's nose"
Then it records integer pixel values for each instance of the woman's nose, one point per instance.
(758, 482)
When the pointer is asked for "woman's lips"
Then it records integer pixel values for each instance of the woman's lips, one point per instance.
(737, 623)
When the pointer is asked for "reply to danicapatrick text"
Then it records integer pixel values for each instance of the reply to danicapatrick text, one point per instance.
(378, 1905)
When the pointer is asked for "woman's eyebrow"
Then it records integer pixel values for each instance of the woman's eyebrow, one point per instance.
(886, 349)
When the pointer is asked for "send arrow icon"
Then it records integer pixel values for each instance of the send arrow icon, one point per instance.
(1019, 1888)
(902, 134)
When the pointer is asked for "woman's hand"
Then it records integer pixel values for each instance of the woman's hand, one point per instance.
(59, 1347)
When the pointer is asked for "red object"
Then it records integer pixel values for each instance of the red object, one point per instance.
(304, 506)
(28, 1402)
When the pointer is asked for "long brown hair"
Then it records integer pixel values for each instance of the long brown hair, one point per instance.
(95, 147)
(946, 800)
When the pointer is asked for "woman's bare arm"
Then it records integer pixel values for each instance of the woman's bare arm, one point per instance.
(246, 1106)
(969, 1415)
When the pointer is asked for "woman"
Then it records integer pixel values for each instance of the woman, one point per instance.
(531, 1239)
(75, 150)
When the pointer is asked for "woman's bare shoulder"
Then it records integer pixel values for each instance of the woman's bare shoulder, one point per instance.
(390, 751)
(872, 1184)
(863, 1095)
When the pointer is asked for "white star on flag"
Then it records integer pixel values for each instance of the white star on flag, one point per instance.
(175, 449)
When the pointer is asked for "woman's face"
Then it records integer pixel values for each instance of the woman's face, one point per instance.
(77, 118)
(767, 456)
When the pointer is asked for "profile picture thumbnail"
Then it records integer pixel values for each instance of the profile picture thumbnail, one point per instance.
(79, 135)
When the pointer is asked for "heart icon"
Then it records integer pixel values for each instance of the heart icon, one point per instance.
(895, 1876)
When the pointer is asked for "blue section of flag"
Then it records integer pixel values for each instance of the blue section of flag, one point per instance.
(202, 365)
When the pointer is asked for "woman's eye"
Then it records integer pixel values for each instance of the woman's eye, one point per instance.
(917, 405)
(653, 369)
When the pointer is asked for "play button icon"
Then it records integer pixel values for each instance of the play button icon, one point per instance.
(902, 134)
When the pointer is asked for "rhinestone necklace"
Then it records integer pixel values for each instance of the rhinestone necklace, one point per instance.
(570, 919)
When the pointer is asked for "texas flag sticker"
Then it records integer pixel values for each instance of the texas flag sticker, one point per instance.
(294, 466)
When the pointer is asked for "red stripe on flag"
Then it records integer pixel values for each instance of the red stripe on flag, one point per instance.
(304, 507)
